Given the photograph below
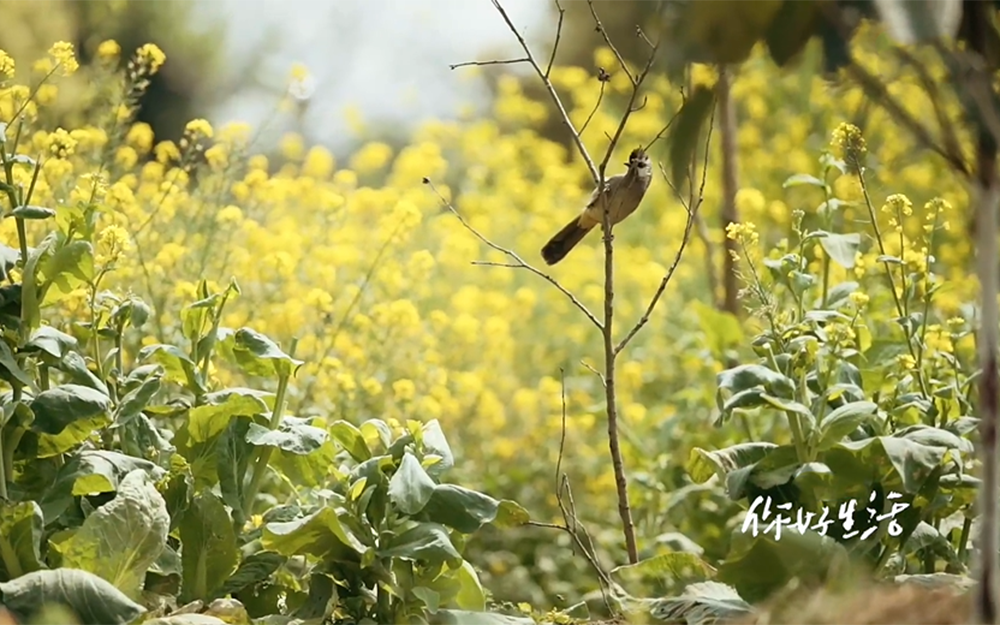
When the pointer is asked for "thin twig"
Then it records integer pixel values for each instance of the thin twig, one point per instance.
(555, 44)
(496, 62)
(692, 212)
(607, 40)
(552, 93)
(590, 367)
(600, 97)
(519, 262)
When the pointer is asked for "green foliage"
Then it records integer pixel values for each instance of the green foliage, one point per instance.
(133, 484)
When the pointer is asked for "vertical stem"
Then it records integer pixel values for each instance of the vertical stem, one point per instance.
(610, 393)
(264, 455)
(729, 185)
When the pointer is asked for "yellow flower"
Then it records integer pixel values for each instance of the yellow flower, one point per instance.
(6, 65)
(372, 157)
(108, 50)
(112, 243)
(140, 136)
(61, 143)
(850, 144)
(62, 53)
(198, 128)
(292, 146)
(149, 59)
(404, 389)
(896, 204)
(859, 299)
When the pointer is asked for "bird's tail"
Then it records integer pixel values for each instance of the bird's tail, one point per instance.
(564, 241)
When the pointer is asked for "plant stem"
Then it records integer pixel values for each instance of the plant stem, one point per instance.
(264, 453)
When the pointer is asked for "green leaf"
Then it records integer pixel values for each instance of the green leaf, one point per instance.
(350, 438)
(321, 534)
(466, 617)
(62, 405)
(915, 21)
(410, 487)
(842, 421)
(179, 367)
(841, 248)
(471, 595)
(255, 568)
(50, 341)
(33, 212)
(232, 460)
(756, 566)
(293, 435)
(747, 377)
(703, 464)
(69, 267)
(21, 527)
(136, 400)
(259, 356)
(75, 367)
(426, 543)
(935, 437)
(121, 539)
(467, 510)
(207, 420)
(93, 600)
(796, 180)
(9, 363)
(91, 472)
(838, 295)
(703, 602)
(435, 443)
(896, 462)
(209, 554)
(683, 139)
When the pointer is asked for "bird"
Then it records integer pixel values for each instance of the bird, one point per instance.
(623, 193)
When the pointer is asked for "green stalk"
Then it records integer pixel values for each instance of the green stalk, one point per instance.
(264, 452)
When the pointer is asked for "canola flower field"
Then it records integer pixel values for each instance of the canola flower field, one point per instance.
(358, 270)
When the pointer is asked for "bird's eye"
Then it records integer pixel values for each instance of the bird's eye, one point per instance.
(642, 164)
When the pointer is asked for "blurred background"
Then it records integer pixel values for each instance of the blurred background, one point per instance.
(377, 68)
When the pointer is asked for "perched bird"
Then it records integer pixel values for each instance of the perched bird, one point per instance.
(623, 194)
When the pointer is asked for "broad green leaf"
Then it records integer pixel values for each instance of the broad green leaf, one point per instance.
(293, 435)
(179, 367)
(33, 212)
(75, 367)
(471, 595)
(467, 617)
(49, 445)
(8, 362)
(465, 510)
(52, 342)
(756, 566)
(703, 602)
(209, 555)
(427, 543)
(916, 21)
(683, 139)
(136, 400)
(796, 180)
(120, 540)
(896, 462)
(841, 248)
(93, 600)
(321, 535)
(436, 443)
(747, 377)
(842, 421)
(207, 420)
(91, 472)
(703, 464)
(837, 296)
(510, 514)
(62, 405)
(935, 437)
(21, 527)
(350, 438)
(233, 455)
(410, 487)
(259, 356)
(255, 568)
(69, 267)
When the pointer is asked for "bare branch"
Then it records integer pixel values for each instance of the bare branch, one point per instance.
(589, 367)
(600, 97)
(642, 35)
(555, 45)
(501, 62)
(607, 40)
(518, 261)
(692, 213)
(552, 93)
